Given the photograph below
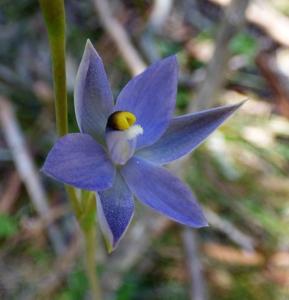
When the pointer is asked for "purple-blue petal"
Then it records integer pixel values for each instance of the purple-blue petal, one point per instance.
(115, 209)
(157, 188)
(78, 160)
(185, 133)
(151, 97)
(93, 99)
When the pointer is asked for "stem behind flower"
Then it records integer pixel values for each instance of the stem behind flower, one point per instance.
(54, 15)
(90, 248)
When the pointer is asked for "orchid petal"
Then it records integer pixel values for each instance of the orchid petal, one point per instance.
(165, 193)
(93, 99)
(77, 159)
(115, 209)
(185, 133)
(151, 97)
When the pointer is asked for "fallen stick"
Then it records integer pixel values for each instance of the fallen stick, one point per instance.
(234, 18)
(234, 234)
(194, 265)
(119, 36)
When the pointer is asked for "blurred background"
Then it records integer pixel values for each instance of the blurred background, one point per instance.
(228, 51)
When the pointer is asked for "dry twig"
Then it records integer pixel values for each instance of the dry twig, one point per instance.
(233, 233)
(160, 13)
(234, 18)
(120, 37)
(194, 265)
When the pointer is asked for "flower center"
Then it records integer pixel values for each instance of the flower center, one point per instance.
(121, 120)
(121, 136)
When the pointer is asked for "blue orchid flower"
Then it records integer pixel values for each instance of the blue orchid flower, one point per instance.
(121, 147)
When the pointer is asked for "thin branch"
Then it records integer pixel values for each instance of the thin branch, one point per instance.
(120, 37)
(160, 12)
(234, 18)
(194, 265)
(190, 243)
(234, 234)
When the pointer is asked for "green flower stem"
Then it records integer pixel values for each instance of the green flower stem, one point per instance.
(90, 247)
(54, 16)
(87, 224)
(74, 202)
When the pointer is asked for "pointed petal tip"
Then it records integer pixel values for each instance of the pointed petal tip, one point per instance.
(197, 222)
(115, 208)
(90, 49)
(111, 246)
(202, 224)
(109, 251)
(110, 243)
(173, 60)
(237, 105)
(163, 192)
(93, 100)
(200, 220)
(243, 101)
(190, 223)
(187, 132)
(88, 43)
(199, 226)
(172, 57)
(231, 108)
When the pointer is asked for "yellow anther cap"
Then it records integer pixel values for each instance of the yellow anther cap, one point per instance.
(121, 120)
